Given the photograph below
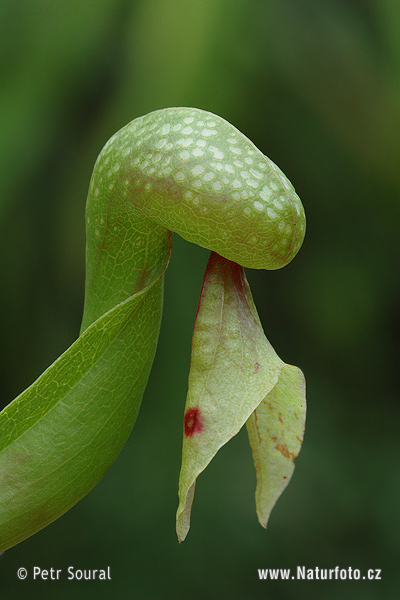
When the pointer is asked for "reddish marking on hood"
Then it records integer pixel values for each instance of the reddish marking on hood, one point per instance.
(193, 422)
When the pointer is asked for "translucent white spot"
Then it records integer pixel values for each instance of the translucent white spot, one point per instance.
(285, 183)
(126, 151)
(217, 166)
(201, 143)
(187, 143)
(157, 157)
(110, 187)
(238, 163)
(96, 192)
(229, 169)
(271, 213)
(177, 127)
(184, 155)
(208, 176)
(236, 195)
(273, 186)
(252, 183)
(179, 175)
(126, 181)
(204, 209)
(96, 232)
(244, 195)
(161, 143)
(225, 179)
(217, 153)
(136, 160)
(288, 228)
(248, 160)
(236, 183)
(197, 170)
(265, 193)
(200, 123)
(109, 172)
(148, 186)
(152, 126)
(145, 164)
(101, 167)
(247, 210)
(253, 239)
(167, 161)
(258, 205)
(117, 167)
(256, 174)
(232, 140)
(197, 183)
(235, 150)
(281, 225)
(197, 152)
(169, 146)
(165, 129)
(188, 120)
(187, 130)
(115, 228)
(217, 185)
(168, 170)
(207, 132)
(245, 174)
(196, 200)
(188, 194)
(211, 124)
(278, 205)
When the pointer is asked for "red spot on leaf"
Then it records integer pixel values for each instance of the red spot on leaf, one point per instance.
(193, 422)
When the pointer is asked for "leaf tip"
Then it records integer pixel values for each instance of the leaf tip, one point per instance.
(183, 514)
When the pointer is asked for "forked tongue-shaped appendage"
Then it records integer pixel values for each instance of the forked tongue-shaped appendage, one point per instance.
(236, 377)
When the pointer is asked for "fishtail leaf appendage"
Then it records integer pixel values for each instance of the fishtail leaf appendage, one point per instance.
(188, 171)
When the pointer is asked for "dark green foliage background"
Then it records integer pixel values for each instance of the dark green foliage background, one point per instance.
(316, 85)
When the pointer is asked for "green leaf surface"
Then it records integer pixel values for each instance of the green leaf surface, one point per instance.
(60, 436)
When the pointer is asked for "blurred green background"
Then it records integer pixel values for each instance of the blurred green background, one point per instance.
(316, 85)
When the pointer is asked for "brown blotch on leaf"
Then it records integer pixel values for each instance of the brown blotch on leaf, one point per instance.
(285, 451)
